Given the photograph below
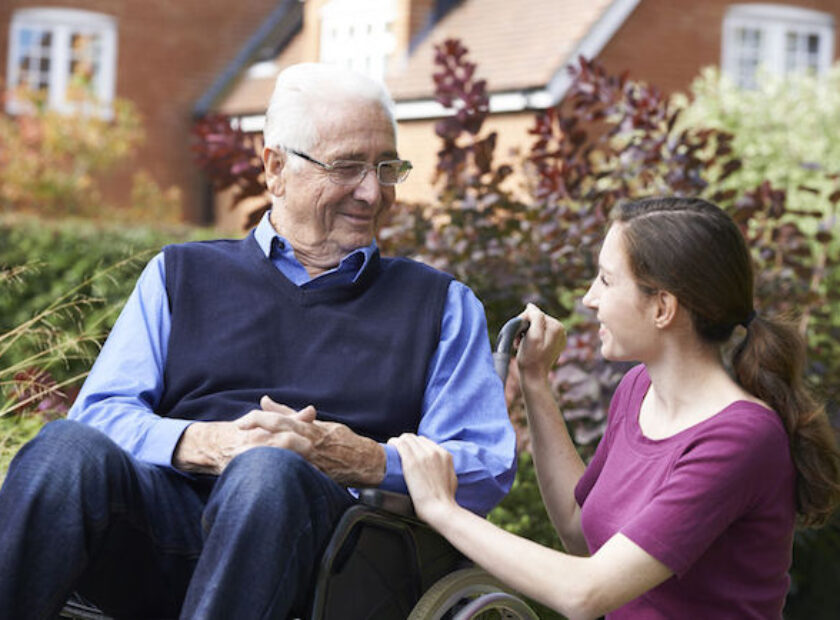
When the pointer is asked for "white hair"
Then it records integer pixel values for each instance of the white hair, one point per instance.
(299, 94)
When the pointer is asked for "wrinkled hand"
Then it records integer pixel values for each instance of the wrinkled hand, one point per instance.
(541, 345)
(429, 475)
(344, 456)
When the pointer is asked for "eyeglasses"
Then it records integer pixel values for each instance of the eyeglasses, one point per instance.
(344, 172)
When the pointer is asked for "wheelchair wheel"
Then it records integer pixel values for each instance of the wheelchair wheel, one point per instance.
(470, 593)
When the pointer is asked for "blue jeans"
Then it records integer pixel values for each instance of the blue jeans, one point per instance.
(79, 513)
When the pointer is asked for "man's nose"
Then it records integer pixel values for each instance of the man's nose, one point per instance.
(368, 188)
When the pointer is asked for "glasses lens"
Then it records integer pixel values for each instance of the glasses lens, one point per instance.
(393, 172)
(346, 172)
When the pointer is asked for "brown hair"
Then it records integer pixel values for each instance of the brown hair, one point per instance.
(694, 250)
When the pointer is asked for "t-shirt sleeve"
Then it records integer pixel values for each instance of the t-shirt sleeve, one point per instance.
(716, 478)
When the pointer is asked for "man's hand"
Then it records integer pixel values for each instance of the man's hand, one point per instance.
(344, 456)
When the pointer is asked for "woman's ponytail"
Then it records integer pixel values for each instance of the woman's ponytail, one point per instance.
(769, 363)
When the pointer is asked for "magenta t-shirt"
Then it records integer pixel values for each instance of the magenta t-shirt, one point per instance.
(715, 503)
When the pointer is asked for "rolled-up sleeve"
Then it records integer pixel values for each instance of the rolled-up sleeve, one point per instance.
(464, 408)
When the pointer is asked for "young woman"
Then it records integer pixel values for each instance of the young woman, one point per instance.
(688, 507)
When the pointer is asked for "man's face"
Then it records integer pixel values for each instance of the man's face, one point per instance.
(318, 216)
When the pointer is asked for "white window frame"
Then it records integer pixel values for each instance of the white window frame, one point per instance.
(775, 21)
(62, 24)
(358, 34)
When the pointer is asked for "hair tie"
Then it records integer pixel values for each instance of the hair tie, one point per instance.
(746, 322)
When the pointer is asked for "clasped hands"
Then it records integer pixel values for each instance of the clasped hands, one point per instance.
(333, 448)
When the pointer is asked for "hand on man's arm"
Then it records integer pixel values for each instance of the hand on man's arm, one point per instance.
(347, 458)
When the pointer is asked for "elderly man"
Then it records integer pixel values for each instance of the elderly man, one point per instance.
(247, 384)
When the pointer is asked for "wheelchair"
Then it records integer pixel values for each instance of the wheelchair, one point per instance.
(382, 563)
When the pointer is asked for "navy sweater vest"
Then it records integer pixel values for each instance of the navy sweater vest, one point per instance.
(240, 329)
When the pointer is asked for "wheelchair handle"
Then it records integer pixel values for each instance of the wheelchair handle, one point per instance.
(504, 344)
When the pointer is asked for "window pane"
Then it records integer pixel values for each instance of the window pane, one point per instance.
(84, 61)
(749, 38)
(32, 58)
(747, 55)
(790, 42)
(65, 54)
(358, 34)
(802, 52)
(780, 39)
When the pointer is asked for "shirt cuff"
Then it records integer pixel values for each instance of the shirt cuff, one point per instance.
(393, 480)
(160, 443)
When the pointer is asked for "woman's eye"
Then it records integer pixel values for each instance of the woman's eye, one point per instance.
(603, 280)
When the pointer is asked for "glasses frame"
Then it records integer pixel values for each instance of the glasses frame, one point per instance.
(366, 167)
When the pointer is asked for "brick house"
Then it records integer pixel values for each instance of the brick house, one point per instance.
(168, 57)
(168, 65)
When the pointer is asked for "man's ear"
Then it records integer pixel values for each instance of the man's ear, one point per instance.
(274, 162)
(666, 309)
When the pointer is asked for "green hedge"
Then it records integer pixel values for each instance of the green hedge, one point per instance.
(92, 266)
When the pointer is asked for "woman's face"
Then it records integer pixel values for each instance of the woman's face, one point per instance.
(626, 313)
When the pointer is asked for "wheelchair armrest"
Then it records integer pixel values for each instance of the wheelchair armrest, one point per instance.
(389, 501)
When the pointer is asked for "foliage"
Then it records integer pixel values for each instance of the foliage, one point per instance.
(230, 158)
(14, 432)
(52, 163)
(813, 594)
(61, 335)
(525, 491)
(783, 131)
(61, 287)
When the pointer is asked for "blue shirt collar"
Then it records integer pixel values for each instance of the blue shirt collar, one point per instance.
(280, 251)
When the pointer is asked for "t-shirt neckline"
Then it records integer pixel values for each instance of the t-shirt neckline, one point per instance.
(641, 388)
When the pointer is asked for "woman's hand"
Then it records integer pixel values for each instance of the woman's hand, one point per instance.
(541, 345)
(429, 475)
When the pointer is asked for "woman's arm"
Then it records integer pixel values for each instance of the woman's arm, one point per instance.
(556, 460)
(574, 586)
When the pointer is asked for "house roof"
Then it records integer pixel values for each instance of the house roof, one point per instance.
(517, 45)
(521, 49)
(280, 27)
(252, 92)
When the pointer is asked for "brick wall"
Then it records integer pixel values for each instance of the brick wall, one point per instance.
(666, 43)
(169, 53)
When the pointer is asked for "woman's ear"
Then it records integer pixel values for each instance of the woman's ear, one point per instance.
(274, 162)
(666, 309)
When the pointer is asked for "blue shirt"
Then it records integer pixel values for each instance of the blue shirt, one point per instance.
(463, 405)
